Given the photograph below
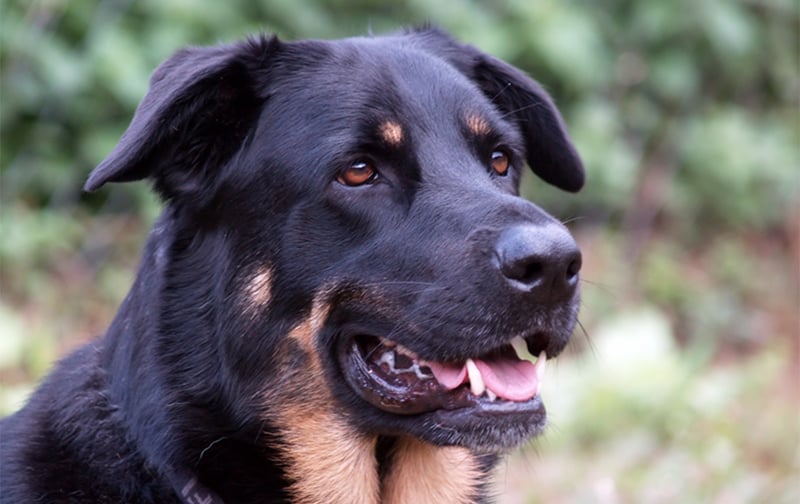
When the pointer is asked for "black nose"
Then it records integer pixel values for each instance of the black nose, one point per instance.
(541, 260)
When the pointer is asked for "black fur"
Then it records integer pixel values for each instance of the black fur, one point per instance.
(244, 142)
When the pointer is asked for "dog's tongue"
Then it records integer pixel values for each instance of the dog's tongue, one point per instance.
(510, 379)
(506, 377)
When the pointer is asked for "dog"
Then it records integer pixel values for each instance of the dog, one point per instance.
(344, 297)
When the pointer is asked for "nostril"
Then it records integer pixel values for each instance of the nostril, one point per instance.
(533, 272)
(574, 268)
(526, 269)
(543, 261)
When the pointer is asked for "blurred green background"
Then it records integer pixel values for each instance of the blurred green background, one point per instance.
(682, 385)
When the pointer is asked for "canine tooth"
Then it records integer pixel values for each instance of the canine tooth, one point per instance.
(540, 366)
(491, 395)
(476, 384)
(521, 349)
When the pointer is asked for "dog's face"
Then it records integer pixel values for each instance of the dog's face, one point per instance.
(347, 233)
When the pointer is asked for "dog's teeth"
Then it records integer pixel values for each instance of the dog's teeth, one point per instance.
(491, 395)
(476, 384)
(521, 349)
(423, 374)
(387, 358)
(540, 366)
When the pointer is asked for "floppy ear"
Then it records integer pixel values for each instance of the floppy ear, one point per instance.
(200, 106)
(549, 150)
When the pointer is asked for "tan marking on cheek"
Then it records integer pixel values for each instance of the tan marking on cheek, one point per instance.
(327, 460)
(258, 291)
(478, 125)
(305, 333)
(426, 474)
(392, 133)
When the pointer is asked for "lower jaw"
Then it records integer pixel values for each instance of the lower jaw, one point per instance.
(480, 430)
(493, 426)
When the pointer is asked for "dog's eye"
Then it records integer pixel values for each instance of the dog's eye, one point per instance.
(358, 173)
(500, 162)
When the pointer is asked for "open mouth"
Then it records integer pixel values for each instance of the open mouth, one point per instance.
(396, 380)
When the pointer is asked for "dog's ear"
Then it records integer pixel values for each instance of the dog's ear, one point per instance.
(201, 104)
(549, 150)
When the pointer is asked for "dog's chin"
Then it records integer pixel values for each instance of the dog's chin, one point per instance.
(422, 398)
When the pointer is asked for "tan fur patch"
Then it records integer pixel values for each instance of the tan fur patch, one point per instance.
(391, 132)
(305, 333)
(258, 291)
(425, 474)
(478, 125)
(327, 460)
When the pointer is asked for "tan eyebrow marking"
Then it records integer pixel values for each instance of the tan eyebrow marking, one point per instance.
(391, 132)
(478, 125)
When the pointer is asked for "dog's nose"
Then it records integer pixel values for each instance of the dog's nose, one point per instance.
(541, 260)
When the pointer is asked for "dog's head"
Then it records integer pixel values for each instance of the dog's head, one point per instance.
(345, 233)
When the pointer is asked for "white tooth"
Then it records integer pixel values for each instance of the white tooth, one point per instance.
(476, 384)
(540, 366)
(491, 395)
(419, 372)
(521, 349)
(388, 359)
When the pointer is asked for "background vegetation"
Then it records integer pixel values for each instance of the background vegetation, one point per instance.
(684, 387)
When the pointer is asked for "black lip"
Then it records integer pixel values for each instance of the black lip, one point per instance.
(532, 413)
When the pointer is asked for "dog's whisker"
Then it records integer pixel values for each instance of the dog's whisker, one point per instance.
(532, 105)
(502, 90)
(604, 287)
(573, 219)
(589, 342)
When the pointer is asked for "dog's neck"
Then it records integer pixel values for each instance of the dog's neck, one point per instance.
(330, 462)
(421, 472)
(408, 471)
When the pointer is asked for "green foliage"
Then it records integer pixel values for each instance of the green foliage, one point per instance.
(684, 87)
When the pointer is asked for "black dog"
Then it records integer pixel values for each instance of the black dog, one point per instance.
(329, 306)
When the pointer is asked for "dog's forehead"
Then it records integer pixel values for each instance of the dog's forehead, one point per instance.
(384, 76)
(418, 74)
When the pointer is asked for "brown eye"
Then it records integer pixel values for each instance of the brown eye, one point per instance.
(359, 173)
(500, 162)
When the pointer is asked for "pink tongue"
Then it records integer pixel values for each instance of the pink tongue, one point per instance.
(514, 380)
(449, 375)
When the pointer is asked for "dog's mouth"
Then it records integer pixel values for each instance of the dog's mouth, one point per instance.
(394, 379)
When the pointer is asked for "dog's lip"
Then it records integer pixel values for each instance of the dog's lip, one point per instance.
(393, 379)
